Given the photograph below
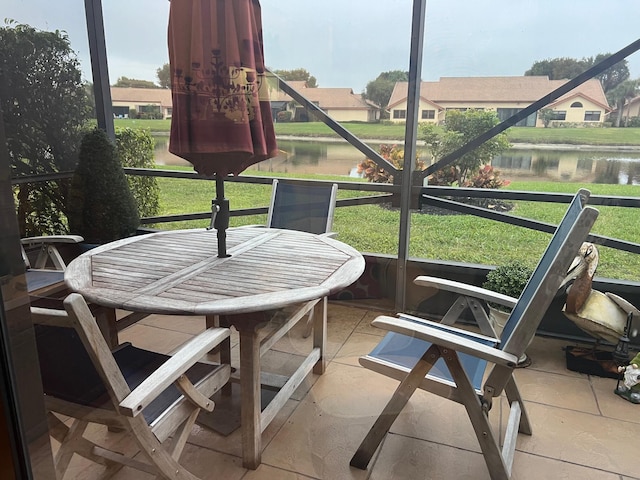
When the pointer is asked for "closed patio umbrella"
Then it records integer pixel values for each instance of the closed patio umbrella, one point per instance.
(221, 119)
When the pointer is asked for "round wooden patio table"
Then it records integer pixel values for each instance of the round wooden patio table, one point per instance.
(178, 272)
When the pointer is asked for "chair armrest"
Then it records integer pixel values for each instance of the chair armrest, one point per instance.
(445, 338)
(171, 370)
(450, 328)
(467, 290)
(329, 234)
(50, 239)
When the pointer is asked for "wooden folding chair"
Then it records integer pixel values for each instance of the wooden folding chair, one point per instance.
(150, 396)
(451, 362)
(307, 207)
(45, 276)
(303, 206)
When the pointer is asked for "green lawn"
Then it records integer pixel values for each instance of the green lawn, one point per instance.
(575, 136)
(464, 238)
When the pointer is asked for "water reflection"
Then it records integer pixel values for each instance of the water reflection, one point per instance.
(309, 157)
(570, 166)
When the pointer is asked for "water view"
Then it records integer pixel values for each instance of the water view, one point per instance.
(577, 165)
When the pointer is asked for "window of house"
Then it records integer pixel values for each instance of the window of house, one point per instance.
(592, 116)
(576, 105)
(399, 114)
(559, 115)
(428, 114)
(505, 113)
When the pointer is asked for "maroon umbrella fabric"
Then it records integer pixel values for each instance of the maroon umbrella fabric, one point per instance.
(221, 120)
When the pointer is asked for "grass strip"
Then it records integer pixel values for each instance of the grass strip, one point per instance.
(462, 238)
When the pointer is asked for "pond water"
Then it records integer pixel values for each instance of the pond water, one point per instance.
(333, 158)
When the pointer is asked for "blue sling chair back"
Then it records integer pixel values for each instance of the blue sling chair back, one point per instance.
(451, 362)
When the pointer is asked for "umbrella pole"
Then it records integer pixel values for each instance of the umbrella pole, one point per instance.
(221, 222)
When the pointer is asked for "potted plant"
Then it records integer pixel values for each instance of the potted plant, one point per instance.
(101, 206)
(509, 279)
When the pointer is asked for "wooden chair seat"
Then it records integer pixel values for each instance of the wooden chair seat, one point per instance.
(68, 373)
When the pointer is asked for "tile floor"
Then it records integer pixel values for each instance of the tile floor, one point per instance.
(581, 430)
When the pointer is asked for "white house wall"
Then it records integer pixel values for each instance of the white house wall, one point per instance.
(341, 115)
(574, 114)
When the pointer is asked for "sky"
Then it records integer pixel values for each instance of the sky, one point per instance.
(348, 43)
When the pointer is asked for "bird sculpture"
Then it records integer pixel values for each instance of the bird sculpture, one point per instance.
(601, 315)
(583, 270)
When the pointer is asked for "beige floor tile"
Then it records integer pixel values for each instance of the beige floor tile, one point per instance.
(185, 324)
(581, 429)
(435, 419)
(409, 458)
(357, 345)
(548, 355)
(581, 438)
(402, 457)
(558, 390)
(611, 405)
(153, 338)
(232, 444)
(364, 326)
(532, 467)
(340, 324)
(320, 437)
(204, 463)
(266, 472)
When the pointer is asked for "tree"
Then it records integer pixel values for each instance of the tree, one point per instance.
(567, 68)
(460, 128)
(298, 74)
(379, 90)
(620, 94)
(558, 68)
(45, 107)
(613, 76)
(164, 76)
(134, 83)
(546, 115)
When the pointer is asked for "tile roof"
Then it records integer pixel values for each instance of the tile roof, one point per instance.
(325, 98)
(496, 89)
(160, 96)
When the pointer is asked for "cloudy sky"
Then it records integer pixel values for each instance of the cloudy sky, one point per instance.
(347, 43)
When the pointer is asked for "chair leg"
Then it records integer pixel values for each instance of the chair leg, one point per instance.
(68, 447)
(164, 463)
(399, 399)
(182, 435)
(513, 395)
(106, 320)
(222, 353)
(498, 469)
(319, 315)
(308, 326)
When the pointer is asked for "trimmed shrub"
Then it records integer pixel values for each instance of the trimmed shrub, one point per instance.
(101, 206)
(135, 149)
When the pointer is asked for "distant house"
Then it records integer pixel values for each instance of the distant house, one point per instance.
(631, 109)
(152, 102)
(506, 96)
(341, 104)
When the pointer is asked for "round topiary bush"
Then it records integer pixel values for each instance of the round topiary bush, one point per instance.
(509, 279)
(101, 206)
